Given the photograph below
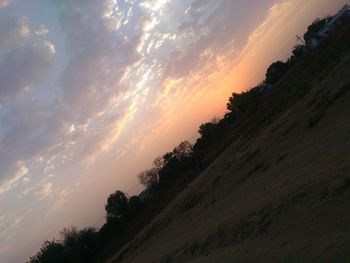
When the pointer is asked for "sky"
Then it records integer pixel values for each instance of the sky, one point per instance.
(92, 91)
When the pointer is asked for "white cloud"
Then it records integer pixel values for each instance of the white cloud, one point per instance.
(87, 92)
(41, 30)
(50, 46)
(98, 55)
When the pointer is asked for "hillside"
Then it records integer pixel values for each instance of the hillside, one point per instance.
(281, 191)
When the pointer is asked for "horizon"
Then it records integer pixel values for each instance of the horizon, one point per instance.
(92, 92)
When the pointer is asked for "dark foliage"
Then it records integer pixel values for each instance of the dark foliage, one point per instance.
(116, 207)
(50, 252)
(240, 103)
(315, 27)
(275, 72)
(175, 162)
(76, 247)
(149, 178)
(298, 51)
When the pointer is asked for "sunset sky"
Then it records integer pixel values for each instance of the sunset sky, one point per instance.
(91, 91)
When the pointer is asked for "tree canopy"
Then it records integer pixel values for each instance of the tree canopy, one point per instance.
(116, 206)
(149, 178)
(315, 27)
(50, 252)
(275, 71)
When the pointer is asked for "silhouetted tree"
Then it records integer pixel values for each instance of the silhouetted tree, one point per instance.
(149, 178)
(298, 50)
(246, 101)
(50, 252)
(206, 130)
(158, 163)
(234, 105)
(275, 72)
(183, 150)
(315, 27)
(80, 246)
(175, 162)
(75, 247)
(116, 206)
(133, 205)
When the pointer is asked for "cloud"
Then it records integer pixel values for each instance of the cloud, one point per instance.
(60, 200)
(45, 191)
(8, 184)
(88, 94)
(25, 62)
(22, 69)
(209, 34)
(99, 55)
(104, 139)
(117, 55)
(13, 30)
(13, 228)
(278, 14)
(14, 225)
(41, 30)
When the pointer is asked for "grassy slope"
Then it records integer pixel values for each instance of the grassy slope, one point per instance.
(281, 191)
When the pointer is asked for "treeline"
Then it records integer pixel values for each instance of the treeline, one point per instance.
(169, 174)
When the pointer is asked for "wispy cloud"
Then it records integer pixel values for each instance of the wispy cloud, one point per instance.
(45, 191)
(8, 184)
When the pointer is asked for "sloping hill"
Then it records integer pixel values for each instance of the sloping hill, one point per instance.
(281, 191)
